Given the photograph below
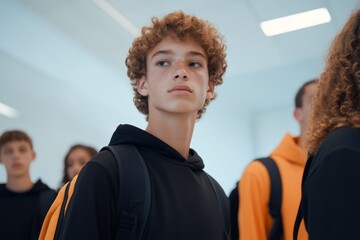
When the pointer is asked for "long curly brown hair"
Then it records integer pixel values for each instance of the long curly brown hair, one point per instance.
(182, 26)
(337, 102)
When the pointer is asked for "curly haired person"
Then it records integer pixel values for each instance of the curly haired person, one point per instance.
(330, 189)
(174, 67)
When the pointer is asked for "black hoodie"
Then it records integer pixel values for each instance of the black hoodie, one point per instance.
(21, 214)
(183, 204)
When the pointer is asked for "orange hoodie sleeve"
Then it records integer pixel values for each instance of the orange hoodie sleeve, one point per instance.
(254, 191)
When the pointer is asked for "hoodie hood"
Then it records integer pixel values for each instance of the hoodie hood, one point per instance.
(128, 134)
(290, 150)
(38, 187)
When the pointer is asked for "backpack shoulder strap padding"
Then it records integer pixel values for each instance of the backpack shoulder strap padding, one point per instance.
(275, 201)
(134, 191)
(54, 217)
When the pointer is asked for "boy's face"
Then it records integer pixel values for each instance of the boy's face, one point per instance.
(17, 156)
(303, 112)
(177, 80)
(310, 92)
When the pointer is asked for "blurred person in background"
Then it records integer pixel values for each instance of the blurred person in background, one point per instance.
(75, 159)
(23, 203)
(255, 221)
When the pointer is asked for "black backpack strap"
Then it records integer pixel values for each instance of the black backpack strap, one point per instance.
(224, 205)
(275, 202)
(234, 210)
(298, 219)
(300, 213)
(134, 192)
(62, 213)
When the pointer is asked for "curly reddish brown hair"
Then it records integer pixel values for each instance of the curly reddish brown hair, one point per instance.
(337, 102)
(181, 26)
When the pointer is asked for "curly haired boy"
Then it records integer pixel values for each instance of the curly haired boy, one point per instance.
(174, 67)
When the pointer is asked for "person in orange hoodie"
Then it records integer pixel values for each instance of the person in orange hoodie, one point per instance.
(254, 219)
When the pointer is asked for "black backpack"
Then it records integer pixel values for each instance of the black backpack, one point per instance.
(274, 203)
(135, 204)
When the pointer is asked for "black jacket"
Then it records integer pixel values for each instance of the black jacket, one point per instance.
(183, 204)
(331, 188)
(21, 214)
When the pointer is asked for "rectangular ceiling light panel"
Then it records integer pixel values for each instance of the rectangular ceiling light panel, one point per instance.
(8, 111)
(295, 22)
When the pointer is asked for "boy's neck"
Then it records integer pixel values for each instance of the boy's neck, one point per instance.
(21, 184)
(176, 132)
(302, 135)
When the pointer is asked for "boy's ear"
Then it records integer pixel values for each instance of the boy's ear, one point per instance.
(298, 114)
(34, 155)
(210, 92)
(142, 86)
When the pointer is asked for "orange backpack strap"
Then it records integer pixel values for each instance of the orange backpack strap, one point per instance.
(57, 211)
(62, 211)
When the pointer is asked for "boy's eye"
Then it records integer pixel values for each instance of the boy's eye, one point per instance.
(195, 64)
(163, 63)
(23, 149)
(8, 151)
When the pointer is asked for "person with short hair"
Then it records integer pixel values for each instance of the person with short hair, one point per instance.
(254, 218)
(23, 203)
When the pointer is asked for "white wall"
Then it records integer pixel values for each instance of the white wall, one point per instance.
(224, 143)
(270, 127)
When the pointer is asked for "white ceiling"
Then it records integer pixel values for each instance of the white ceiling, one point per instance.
(62, 62)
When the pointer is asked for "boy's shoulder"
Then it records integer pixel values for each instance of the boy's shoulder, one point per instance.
(105, 159)
(102, 165)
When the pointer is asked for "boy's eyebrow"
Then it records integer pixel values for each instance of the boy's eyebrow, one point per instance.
(190, 53)
(195, 53)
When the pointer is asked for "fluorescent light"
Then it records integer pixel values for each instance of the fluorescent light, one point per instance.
(8, 111)
(295, 22)
(114, 14)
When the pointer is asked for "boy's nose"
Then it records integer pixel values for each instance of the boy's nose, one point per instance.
(180, 73)
(183, 76)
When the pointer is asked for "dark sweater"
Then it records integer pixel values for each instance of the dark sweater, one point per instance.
(331, 188)
(21, 214)
(183, 204)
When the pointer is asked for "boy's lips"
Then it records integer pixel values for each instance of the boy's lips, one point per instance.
(16, 165)
(180, 88)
